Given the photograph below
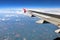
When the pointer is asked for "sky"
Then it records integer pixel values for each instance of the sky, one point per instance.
(29, 4)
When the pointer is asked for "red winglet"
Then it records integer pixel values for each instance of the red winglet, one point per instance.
(24, 10)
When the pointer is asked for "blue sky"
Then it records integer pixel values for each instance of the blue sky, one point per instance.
(29, 3)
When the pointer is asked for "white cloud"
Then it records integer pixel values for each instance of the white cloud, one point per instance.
(11, 10)
(20, 11)
(3, 19)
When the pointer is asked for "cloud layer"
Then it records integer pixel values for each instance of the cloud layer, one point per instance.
(20, 10)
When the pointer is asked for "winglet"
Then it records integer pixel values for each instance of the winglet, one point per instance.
(24, 10)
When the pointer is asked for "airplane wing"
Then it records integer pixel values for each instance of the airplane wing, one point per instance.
(54, 19)
(46, 17)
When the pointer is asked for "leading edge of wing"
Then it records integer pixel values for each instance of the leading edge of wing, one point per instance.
(48, 14)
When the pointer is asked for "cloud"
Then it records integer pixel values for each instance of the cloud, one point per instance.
(4, 19)
(20, 11)
(11, 10)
